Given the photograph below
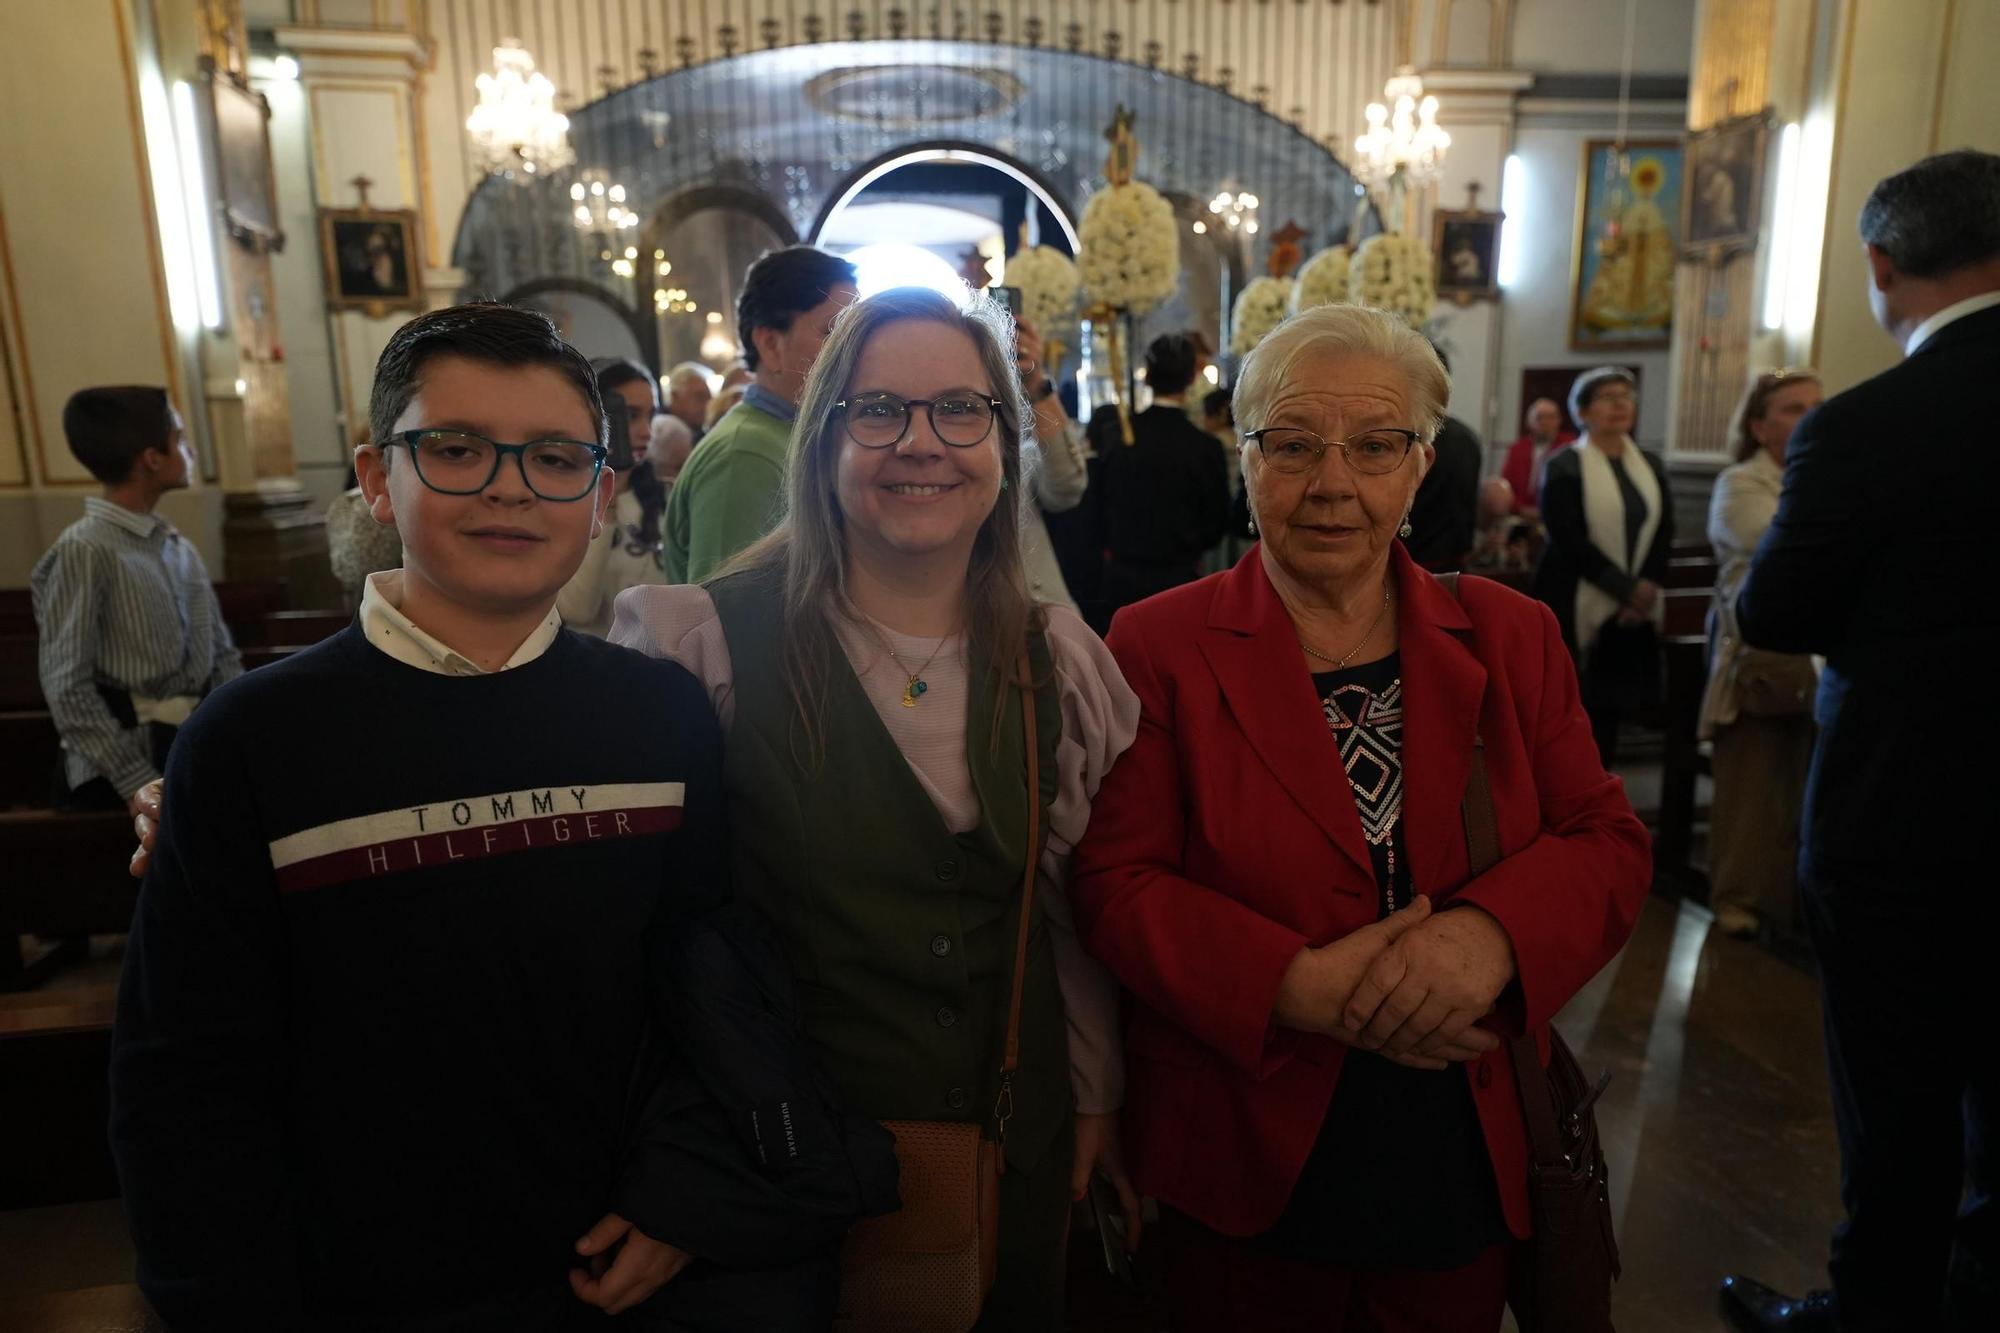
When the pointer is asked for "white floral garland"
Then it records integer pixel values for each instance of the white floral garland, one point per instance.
(1322, 281)
(1131, 253)
(1392, 272)
(1048, 282)
(1260, 307)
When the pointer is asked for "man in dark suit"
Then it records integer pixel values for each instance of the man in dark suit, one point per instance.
(1446, 509)
(1879, 561)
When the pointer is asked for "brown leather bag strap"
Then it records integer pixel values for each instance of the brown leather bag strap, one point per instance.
(1012, 1059)
(1482, 849)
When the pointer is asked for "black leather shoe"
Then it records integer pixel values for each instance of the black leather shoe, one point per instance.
(1752, 1307)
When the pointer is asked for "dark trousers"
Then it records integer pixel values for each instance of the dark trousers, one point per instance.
(1216, 1284)
(1915, 1068)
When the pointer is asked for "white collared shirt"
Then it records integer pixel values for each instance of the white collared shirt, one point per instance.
(388, 629)
(1951, 314)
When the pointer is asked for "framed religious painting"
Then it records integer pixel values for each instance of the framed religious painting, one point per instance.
(370, 259)
(240, 120)
(1628, 217)
(1467, 246)
(1725, 173)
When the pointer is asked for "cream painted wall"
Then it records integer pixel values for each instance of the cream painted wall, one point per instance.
(318, 434)
(1891, 50)
(82, 292)
(1573, 36)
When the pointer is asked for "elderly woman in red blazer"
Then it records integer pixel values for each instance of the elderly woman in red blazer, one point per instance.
(1277, 870)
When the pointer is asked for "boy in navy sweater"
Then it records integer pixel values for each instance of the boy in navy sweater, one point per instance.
(397, 1024)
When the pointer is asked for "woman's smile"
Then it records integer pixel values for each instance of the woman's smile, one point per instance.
(921, 492)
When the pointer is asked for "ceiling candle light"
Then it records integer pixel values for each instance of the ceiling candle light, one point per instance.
(516, 123)
(1404, 148)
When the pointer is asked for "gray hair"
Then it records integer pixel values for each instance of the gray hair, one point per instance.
(679, 376)
(809, 548)
(1939, 216)
(1590, 381)
(1342, 330)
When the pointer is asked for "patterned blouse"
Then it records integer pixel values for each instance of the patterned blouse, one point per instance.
(1423, 1195)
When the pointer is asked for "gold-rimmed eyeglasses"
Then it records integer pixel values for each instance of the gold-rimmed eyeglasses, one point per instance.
(1374, 452)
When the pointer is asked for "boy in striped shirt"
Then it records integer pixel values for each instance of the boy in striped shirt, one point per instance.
(131, 635)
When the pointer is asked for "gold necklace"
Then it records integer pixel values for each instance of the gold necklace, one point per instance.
(915, 687)
(1340, 664)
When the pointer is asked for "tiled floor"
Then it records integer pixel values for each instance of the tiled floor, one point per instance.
(1717, 1129)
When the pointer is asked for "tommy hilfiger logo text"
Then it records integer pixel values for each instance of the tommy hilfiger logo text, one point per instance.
(496, 824)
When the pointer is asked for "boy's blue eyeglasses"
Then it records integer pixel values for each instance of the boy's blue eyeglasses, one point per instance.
(457, 462)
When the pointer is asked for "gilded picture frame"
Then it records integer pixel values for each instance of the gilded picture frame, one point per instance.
(370, 259)
(1721, 206)
(1627, 245)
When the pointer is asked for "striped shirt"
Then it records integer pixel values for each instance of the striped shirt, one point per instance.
(123, 601)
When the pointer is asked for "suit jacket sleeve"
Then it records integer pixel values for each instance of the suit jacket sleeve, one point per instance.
(1166, 937)
(1569, 533)
(1569, 898)
(1798, 595)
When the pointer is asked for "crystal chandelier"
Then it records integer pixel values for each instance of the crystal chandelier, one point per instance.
(600, 204)
(1405, 146)
(516, 124)
(1237, 212)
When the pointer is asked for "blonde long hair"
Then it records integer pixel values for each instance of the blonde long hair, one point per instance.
(808, 549)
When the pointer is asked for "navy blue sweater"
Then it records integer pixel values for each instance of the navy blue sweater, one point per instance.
(386, 1010)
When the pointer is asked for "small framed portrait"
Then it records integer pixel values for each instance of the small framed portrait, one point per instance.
(1467, 243)
(370, 256)
(1725, 187)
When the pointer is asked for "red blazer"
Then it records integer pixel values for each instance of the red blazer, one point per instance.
(1519, 468)
(1226, 839)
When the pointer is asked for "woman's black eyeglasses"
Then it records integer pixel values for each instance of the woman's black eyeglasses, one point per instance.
(881, 420)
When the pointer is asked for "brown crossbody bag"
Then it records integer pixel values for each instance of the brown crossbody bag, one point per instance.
(927, 1267)
(1562, 1277)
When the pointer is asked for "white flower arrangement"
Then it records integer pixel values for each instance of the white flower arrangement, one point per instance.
(1048, 282)
(1260, 307)
(1392, 272)
(1322, 280)
(1131, 254)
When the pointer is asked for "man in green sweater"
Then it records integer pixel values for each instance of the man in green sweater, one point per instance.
(731, 491)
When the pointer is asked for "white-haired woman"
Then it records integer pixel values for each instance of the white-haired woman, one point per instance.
(1277, 871)
(1610, 517)
(862, 660)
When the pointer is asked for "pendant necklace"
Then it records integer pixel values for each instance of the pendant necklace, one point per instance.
(1340, 663)
(915, 686)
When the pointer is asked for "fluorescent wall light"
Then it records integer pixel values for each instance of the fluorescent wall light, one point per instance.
(1513, 204)
(194, 193)
(169, 202)
(1778, 264)
(1809, 210)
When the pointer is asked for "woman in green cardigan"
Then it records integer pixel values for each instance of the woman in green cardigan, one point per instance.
(860, 661)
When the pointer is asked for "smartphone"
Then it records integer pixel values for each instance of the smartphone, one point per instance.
(1011, 296)
(1109, 1220)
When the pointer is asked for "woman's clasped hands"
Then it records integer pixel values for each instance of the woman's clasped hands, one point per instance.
(1412, 986)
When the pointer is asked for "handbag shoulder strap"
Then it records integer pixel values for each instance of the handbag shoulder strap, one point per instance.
(1003, 1108)
(1482, 849)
